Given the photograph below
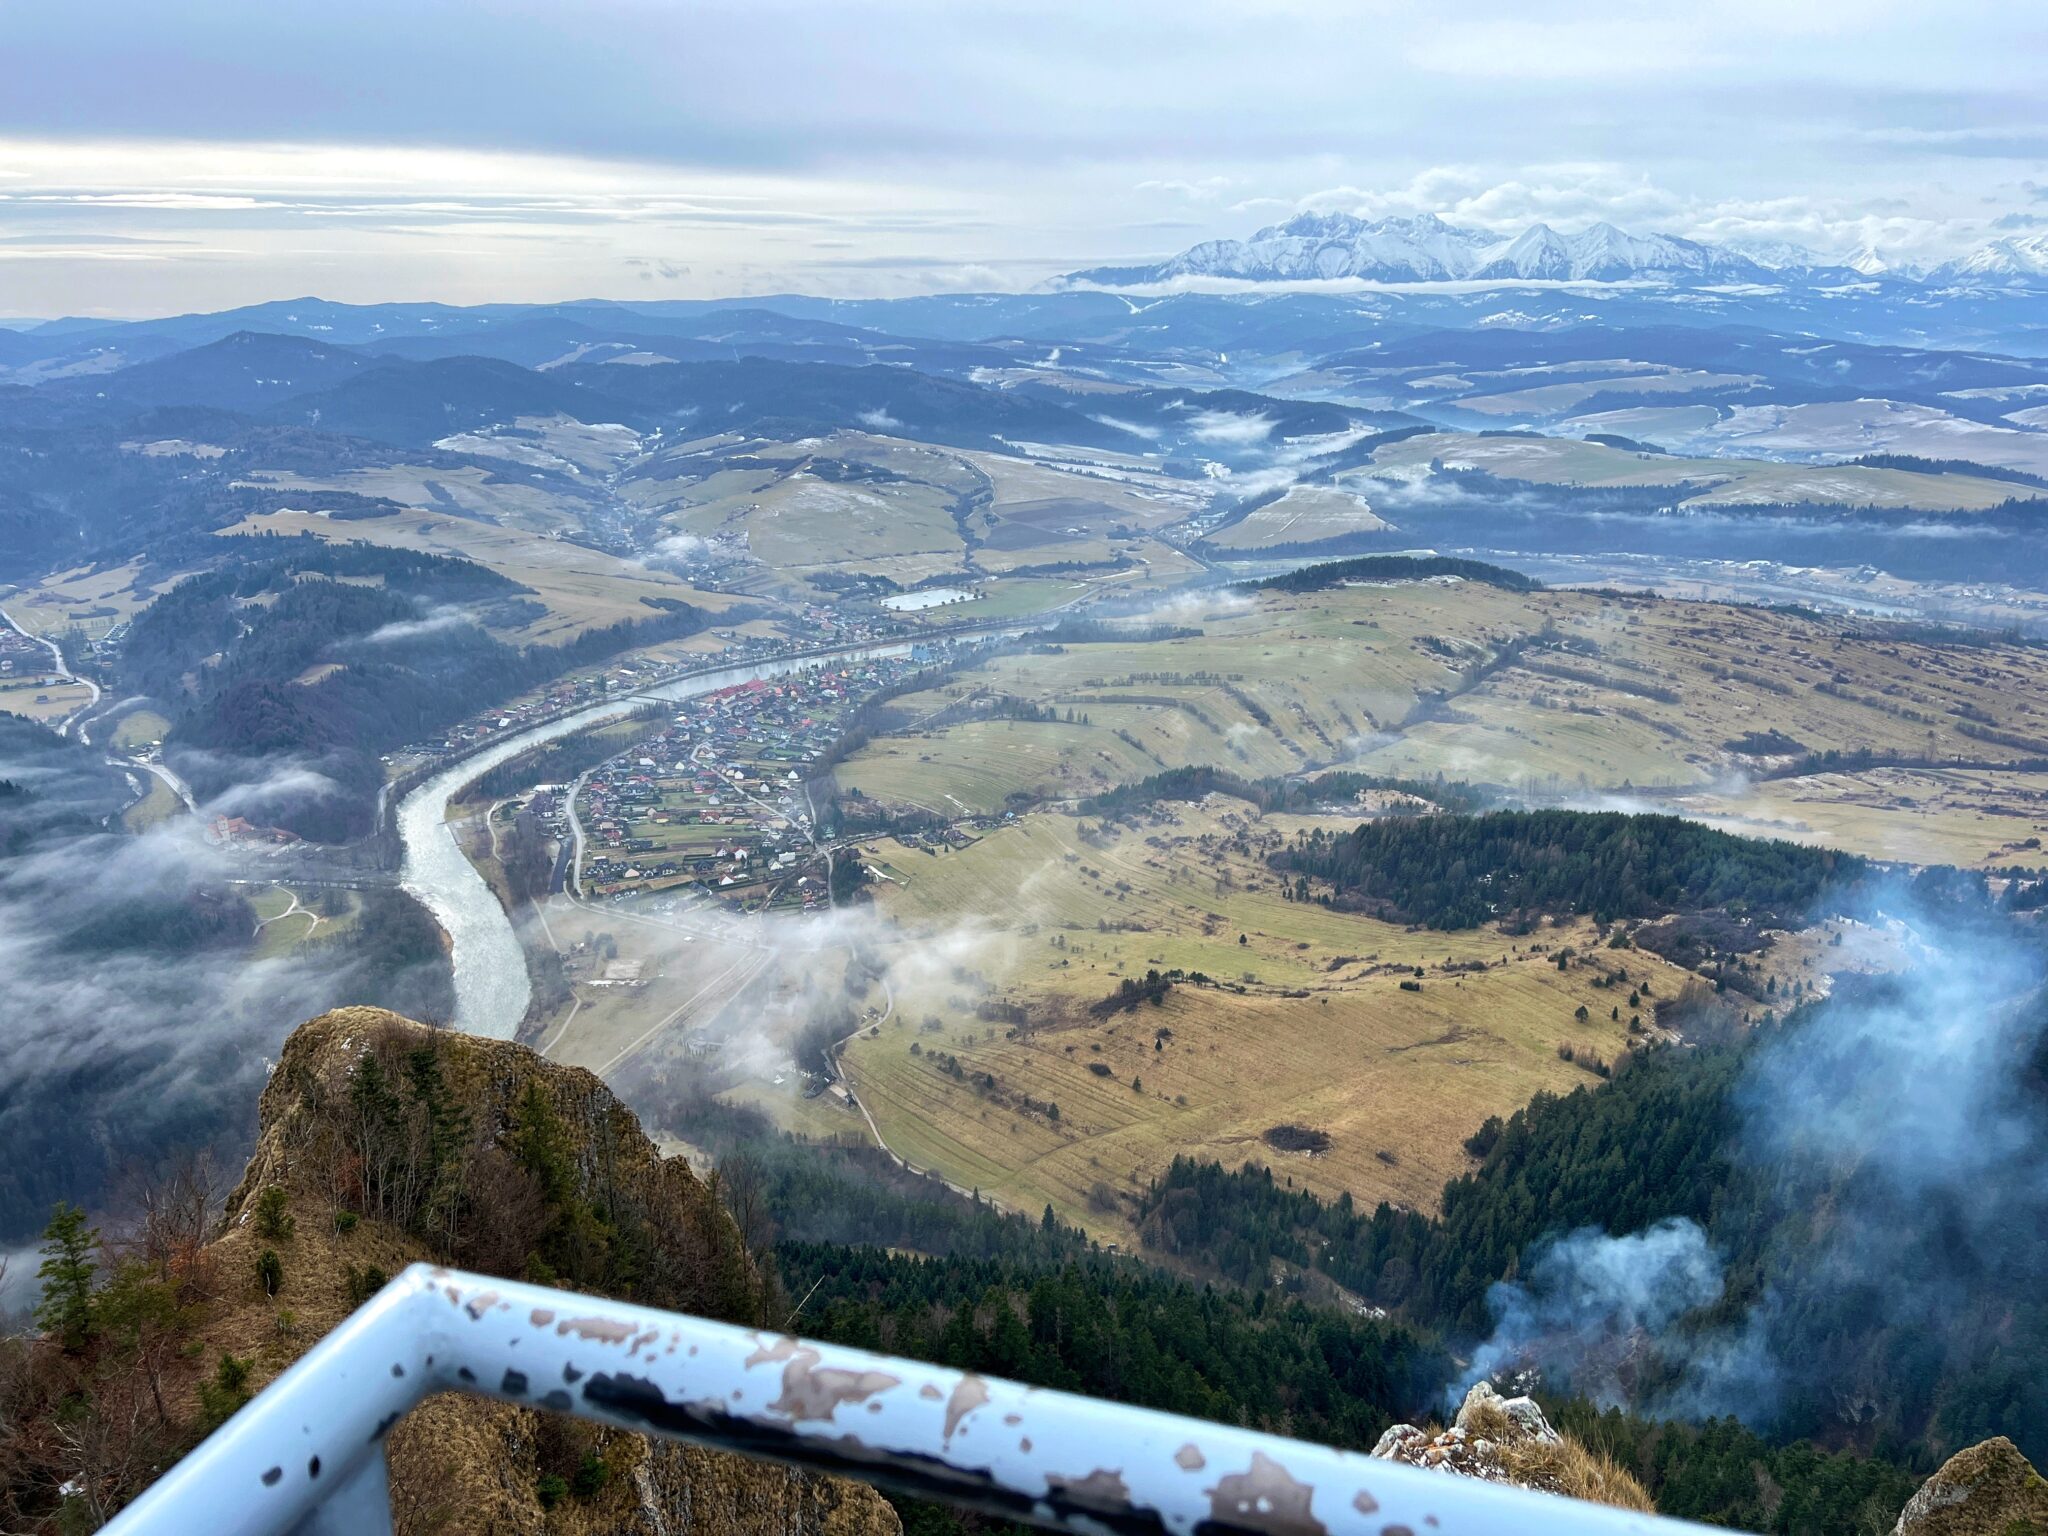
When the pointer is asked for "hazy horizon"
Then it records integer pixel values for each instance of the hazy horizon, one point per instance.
(157, 160)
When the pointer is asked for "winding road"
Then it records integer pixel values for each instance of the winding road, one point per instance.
(63, 669)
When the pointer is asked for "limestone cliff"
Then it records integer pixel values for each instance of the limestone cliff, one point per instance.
(1507, 1440)
(481, 1152)
(1987, 1490)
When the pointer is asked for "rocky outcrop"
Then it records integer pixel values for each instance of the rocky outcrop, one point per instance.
(1507, 1440)
(459, 1464)
(1987, 1490)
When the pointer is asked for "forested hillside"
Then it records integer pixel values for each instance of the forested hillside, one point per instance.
(982, 1288)
(1112, 1329)
(1461, 871)
(287, 659)
(1814, 1249)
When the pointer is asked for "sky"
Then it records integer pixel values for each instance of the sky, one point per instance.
(178, 155)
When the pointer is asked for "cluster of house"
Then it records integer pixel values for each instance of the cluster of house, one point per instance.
(626, 676)
(237, 832)
(716, 798)
(825, 624)
(23, 661)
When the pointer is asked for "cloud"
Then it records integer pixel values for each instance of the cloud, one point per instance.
(438, 621)
(1229, 428)
(879, 419)
(137, 1018)
(681, 548)
(1206, 190)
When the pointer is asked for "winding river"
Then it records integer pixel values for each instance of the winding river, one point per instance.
(492, 990)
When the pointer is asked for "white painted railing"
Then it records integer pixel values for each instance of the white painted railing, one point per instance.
(306, 1456)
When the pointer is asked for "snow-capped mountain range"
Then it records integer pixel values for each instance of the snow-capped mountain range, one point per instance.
(1425, 249)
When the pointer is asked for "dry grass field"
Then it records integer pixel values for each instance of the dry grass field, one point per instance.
(1310, 1023)
(42, 697)
(860, 503)
(1307, 1021)
(1730, 481)
(1306, 514)
(582, 588)
(1548, 694)
(91, 600)
(1974, 820)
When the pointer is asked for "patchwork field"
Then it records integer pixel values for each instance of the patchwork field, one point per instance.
(1974, 820)
(1548, 694)
(582, 588)
(1309, 1024)
(1719, 481)
(42, 698)
(1307, 514)
(818, 510)
(89, 599)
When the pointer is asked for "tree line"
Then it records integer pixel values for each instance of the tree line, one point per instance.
(1335, 573)
(1274, 793)
(1462, 871)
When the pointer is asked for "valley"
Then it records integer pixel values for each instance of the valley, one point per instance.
(1205, 805)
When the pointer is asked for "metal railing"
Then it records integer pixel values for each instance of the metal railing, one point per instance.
(306, 1455)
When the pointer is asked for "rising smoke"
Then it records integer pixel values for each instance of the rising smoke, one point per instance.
(1886, 1186)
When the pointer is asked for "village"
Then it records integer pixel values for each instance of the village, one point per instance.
(716, 800)
(640, 671)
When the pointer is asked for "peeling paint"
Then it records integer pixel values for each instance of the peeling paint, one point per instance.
(1265, 1497)
(356, 1384)
(599, 1330)
(969, 1395)
(772, 1354)
(812, 1391)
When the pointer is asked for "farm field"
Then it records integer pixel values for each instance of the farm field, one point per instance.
(159, 803)
(1547, 693)
(634, 981)
(1974, 820)
(138, 728)
(983, 763)
(813, 512)
(44, 698)
(1312, 1025)
(1558, 399)
(89, 599)
(1729, 481)
(1306, 514)
(582, 588)
(1832, 427)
